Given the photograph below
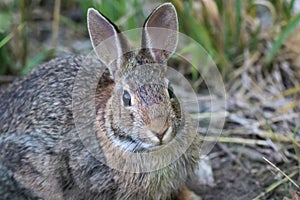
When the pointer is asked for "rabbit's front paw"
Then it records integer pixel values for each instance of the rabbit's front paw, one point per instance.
(186, 194)
(193, 196)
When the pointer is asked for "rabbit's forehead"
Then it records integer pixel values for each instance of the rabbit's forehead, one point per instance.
(146, 75)
(150, 94)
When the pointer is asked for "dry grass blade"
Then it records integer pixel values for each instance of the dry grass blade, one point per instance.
(55, 24)
(248, 63)
(273, 186)
(236, 140)
(289, 106)
(291, 91)
(284, 174)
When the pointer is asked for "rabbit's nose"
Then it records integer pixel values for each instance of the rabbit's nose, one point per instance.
(159, 127)
(159, 132)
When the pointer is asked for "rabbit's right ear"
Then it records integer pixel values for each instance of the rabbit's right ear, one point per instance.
(160, 33)
(108, 42)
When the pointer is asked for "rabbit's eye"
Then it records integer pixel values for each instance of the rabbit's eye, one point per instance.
(171, 92)
(126, 98)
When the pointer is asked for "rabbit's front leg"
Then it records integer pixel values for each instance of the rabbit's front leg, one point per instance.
(186, 194)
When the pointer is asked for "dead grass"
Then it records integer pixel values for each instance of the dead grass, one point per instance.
(255, 45)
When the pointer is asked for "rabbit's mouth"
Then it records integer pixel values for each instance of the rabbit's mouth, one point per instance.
(159, 139)
(151, 142)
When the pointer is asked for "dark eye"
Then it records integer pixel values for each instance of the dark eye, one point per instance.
(126, 98)
(171, 92)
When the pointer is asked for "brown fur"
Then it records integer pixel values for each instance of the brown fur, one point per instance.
(115, 151)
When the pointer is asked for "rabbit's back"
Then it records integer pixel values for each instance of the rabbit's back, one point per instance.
(41, 154)
(39, 146)
(43, 99)
(142, 145)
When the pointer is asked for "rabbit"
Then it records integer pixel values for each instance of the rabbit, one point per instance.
(42, 155)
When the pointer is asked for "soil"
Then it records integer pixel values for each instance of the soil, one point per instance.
(239, 171)
(239, 177)
(232, 181)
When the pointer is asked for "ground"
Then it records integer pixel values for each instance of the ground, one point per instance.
(262, 106)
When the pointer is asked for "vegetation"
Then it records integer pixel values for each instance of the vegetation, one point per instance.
(254, 43)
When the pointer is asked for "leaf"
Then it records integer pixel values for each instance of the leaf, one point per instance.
(7, 38)
(282, 37)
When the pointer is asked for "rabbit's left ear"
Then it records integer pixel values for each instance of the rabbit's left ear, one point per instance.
(108, 42)
(160, 33)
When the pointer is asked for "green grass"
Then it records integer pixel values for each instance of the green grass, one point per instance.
(286, 31)
(224, 31)
(127, 14)
(227, 29)
(15, 19)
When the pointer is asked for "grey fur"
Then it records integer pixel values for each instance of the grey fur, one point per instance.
(43, 157)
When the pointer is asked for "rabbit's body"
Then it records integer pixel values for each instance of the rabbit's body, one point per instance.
(42, 155)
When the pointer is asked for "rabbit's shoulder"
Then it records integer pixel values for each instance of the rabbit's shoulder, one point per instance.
(43, 97)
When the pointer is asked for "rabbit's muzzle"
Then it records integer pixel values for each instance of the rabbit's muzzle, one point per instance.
(159, 131)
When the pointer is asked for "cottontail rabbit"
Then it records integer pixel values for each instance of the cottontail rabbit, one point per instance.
(45, 155)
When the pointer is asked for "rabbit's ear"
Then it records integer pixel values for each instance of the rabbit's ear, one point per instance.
(108, 42)
(160, 33)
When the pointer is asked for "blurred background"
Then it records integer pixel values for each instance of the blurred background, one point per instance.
(255, 45)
